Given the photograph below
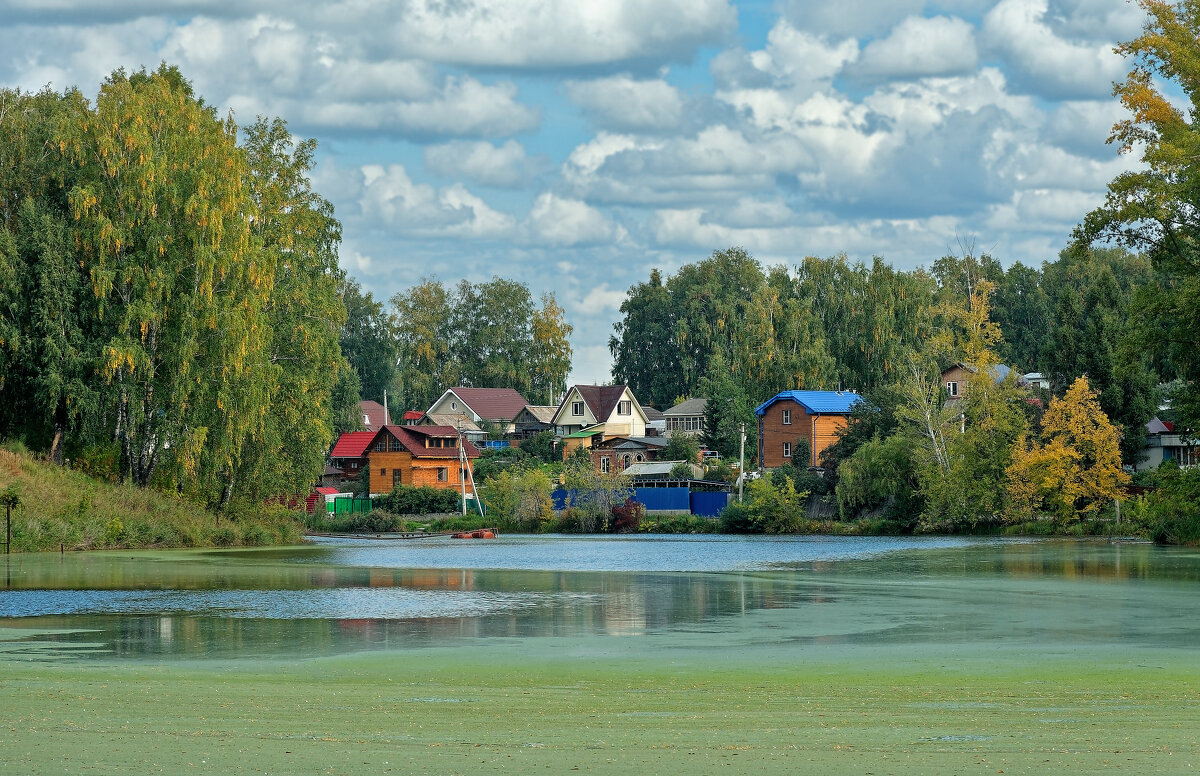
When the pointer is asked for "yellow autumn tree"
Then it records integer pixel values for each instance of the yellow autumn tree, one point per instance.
(1076, 469)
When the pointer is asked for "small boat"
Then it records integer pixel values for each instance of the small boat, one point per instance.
(480, 533)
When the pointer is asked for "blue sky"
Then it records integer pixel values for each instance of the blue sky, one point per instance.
(575, 146)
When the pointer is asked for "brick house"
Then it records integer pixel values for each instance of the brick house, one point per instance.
(815, 416)
(619, 453)
(418, 456)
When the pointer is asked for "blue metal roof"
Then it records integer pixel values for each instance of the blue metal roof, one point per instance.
(816, 401)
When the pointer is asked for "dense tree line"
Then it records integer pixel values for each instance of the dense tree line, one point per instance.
(486, 335)
(169, 308)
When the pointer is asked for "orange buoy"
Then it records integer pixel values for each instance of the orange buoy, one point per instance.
(489, 535)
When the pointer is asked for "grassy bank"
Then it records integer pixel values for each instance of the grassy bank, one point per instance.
(596, 708)
(61, 508)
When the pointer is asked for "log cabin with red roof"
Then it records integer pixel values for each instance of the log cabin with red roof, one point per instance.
(349, 456)
(418, 456)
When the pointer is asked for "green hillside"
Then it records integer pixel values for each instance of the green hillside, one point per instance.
(61, 508)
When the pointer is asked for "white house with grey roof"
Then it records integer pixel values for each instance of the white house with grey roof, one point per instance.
(686, 417)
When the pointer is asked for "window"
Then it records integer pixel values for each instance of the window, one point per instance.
(383, 472)
(787, 419)
(395, 478)
(625, 461)
(624, 408)
(639, 458)
(787, 449)
(604, 465)
(952, 388)
(381, 446)
(443, 474)
(577, 408)
(366, 419)
(453, 405)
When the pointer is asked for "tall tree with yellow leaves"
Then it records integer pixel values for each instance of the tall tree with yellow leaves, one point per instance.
(1076, 469)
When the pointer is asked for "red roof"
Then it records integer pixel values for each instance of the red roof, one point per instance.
(413, 415)
(411, 438)
(492, 403)
(352, 444)
(326, 491)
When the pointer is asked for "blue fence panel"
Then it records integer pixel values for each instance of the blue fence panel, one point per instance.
(708, 504)
(559, 497)
(493, 444)
(674, 499)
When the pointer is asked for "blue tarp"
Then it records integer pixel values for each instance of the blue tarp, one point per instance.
(662, 499)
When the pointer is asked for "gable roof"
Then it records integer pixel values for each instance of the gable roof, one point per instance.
(633, 443)
(651, 414)
(601, 399)
(540, 413)
(373, 414)
(352, 444)
(489, 403)
(412, 439)
(691, 407)
(816, 402)
(459, 422)
(1156, 426)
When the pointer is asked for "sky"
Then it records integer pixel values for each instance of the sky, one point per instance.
(574, 146)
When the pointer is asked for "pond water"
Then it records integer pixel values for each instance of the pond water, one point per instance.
(695, 592)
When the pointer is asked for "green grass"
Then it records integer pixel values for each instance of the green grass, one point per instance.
(65, 509)
(487, 709)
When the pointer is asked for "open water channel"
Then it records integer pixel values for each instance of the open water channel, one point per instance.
(629, 593)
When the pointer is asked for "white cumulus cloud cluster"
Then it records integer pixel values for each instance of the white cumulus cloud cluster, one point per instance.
(576, 145)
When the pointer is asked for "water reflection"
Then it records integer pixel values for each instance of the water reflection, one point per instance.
(351, 596)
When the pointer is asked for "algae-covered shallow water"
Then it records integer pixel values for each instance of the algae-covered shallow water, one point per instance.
(695, 592)
(611, 654)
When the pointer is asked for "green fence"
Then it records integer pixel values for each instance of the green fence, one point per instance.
(347, 505)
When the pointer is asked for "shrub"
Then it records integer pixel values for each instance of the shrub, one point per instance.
(375, 521)
(1173, 510)
(406, 500)
(627, 517)
(225, 535)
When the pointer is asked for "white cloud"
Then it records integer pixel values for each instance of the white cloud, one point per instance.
(622, 103)
(1050, 65)
(564, 222)
(559, 33)
(849, 17)
(921, 47)
(601, 300)
(393, 201)
(505, 166)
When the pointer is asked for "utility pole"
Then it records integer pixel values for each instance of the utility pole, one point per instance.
(462, 470)
(742, 463)
(387, 420)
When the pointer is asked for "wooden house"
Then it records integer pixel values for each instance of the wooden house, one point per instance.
(348, 457)
(418, 456)
(957, 378)
(533, 420)
(815, 416)
(592, 413)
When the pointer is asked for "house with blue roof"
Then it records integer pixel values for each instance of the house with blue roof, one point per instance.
(788, 417)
